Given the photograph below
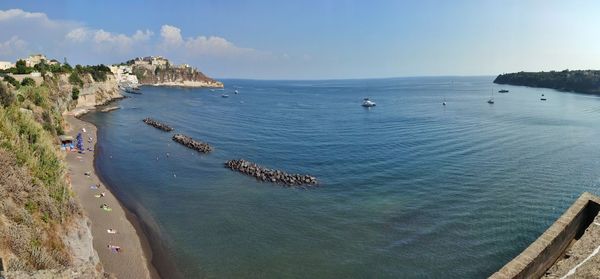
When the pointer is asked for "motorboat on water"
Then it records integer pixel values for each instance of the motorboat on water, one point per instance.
(543, 98)
(225, 96)
(133, 90)
(236, 91)
(368, 103)
(503, 91)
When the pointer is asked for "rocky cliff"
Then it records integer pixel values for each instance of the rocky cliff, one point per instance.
(167, 75)
(91, 93)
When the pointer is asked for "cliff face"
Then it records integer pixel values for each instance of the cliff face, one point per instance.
(172, 76)
(91, 94)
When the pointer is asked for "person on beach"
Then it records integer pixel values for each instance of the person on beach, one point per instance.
(114, 248)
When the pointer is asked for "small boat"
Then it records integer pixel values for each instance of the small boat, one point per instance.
(444, 102)
(132, 90)
(236, 91)
(503, 91)
(543, 98)
(225, 96)
(491, 100)
(368, 103)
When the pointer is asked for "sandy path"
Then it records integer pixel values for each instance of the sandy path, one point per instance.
(131, 261)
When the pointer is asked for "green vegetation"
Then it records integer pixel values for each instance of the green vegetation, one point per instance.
(583, 81)
(7, 97)
(35, 196)
(21, 68)
(75, 79)
(12, 81)
(75, 93)
(28, 82)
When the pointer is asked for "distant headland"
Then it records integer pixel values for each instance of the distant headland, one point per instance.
(582, 81)
(159, 71)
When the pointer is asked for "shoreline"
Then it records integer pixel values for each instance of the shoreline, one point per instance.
(134, 260)
(159, 263)
(185, 85)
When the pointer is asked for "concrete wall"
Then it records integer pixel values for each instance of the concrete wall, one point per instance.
(543, 253)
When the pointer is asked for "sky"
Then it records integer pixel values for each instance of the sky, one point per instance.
(306, 39)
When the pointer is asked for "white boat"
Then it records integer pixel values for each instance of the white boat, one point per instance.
(491, 100)
(225, 96)
(236, 91)
(368, 103)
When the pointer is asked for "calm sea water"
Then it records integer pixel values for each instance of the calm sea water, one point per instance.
(410, 189)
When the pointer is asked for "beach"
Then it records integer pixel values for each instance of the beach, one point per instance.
(122, 251)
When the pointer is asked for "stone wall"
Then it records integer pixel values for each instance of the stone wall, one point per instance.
(541, 254)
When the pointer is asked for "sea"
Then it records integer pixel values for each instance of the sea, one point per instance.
(409, 188)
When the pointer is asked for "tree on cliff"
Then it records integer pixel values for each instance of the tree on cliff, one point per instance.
(21, 68)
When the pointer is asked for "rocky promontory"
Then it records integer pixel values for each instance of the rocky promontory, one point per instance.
(158, 71)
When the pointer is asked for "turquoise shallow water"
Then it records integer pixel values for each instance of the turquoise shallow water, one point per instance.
(410, 189)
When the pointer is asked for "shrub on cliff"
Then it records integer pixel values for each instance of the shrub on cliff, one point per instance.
(12, 81)
(28, 82)
(98, 72)
(75, 93)
(7, 97)
(74, 79)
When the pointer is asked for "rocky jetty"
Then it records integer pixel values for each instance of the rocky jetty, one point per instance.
(191, 143)
(157, 124)
(270, 175)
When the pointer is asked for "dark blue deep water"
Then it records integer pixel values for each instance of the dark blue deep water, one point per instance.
(409, 189)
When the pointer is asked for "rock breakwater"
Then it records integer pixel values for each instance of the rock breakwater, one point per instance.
(157, 125)
(270, 175)
(191, 143)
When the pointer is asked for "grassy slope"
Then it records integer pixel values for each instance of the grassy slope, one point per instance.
(36, 204)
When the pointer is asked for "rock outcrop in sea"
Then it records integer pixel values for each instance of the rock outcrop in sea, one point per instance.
(157, 125)
(191, 143)
(270, 175)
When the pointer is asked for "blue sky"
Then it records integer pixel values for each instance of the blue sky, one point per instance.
(312, 39)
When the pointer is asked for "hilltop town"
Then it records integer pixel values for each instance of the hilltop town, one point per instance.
(159, 71)
(149, 70)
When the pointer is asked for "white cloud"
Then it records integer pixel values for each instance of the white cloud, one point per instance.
(18, 13)
(201, 45)
(142, 35)
(171, 35)
(25, 32)
(77, 35)
(12, 46)
(214, 46)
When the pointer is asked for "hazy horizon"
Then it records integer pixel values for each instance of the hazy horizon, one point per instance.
(312, 40)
